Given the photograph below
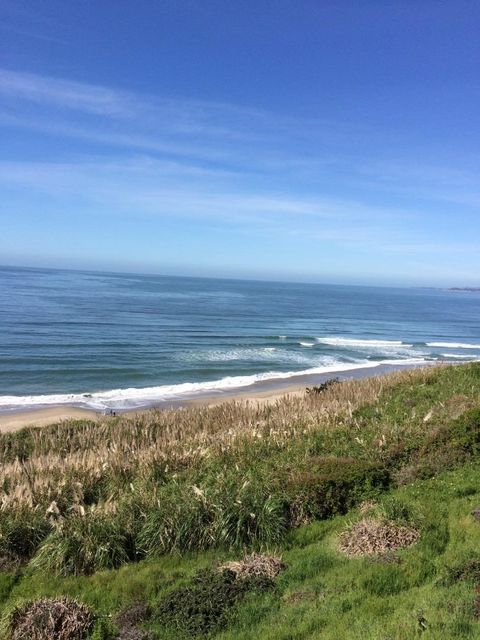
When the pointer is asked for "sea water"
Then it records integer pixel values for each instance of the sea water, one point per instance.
(123, 341)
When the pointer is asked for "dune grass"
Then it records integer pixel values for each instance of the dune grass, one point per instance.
(131, 510)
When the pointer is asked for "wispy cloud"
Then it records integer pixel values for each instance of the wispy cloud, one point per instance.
(156, 156)
(65, 94)
(140, 187)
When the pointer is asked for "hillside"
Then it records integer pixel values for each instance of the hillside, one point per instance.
(358, 498)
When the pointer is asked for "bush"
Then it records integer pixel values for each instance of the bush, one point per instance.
(181, 521)
(254, 515)
(188, 518)
(51, 618)
(334, 485)
(21, 532)
(205, 606)
(82, 545)
(443, 448)
(323, 386)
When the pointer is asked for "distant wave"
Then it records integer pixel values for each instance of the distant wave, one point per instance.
(453, 345)
(252, 355)
(459, 356)
(132, 398)
(306, 344)
(360, 342)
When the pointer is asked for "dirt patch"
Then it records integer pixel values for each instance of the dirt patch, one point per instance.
(371, 537)
(255, 565)
(48, 618)
(128, 620)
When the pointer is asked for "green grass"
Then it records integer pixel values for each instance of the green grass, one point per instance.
(322, 593)
(289, 482)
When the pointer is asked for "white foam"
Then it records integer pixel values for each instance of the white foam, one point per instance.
(459, 356)
(306, 344)
(133, 398)
(453, 345)
(360, 342)
(268, 355)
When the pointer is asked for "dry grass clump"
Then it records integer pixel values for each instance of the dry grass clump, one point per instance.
(374, 537)
(255, 565)
(367, 505)
(51, 618)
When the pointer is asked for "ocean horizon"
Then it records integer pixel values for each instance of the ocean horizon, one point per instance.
(125, 341)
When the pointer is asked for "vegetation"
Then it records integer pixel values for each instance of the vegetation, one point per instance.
(145, 519)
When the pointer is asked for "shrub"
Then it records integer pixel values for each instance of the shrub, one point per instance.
(462, 435)
(187, 518)
(253, 515)
(334, 485)
(82, 545)
(49, 618)
(205, 605)
(323, 386)
(181, 521)
(21, 532)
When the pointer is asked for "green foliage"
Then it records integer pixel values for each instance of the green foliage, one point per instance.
(199, 499)
(180, 521)
(7, 582)
(103, 629)
(21, 532)
(204, 606)
(384, 580)
(334, 485)
(18, 444)
(81, 545)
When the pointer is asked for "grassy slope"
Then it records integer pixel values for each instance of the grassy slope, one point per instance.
(323, 594)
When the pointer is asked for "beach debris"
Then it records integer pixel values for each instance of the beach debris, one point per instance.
(48, 618)
(255, 565)
(373, 537)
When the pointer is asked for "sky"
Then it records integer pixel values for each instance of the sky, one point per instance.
(327, 141)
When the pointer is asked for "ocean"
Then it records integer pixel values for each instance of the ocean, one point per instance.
(124, 341)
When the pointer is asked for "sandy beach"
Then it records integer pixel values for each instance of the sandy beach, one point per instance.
(43, 417)
(264, 392)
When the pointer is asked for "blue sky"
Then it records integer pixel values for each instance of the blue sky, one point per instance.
(328, 141)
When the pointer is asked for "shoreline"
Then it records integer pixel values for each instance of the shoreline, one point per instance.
(261, 392)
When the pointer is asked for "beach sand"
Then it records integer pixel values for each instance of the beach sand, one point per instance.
(43, 417)
(261, 393)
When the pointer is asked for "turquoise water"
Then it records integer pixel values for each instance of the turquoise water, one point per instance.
(107, 340)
